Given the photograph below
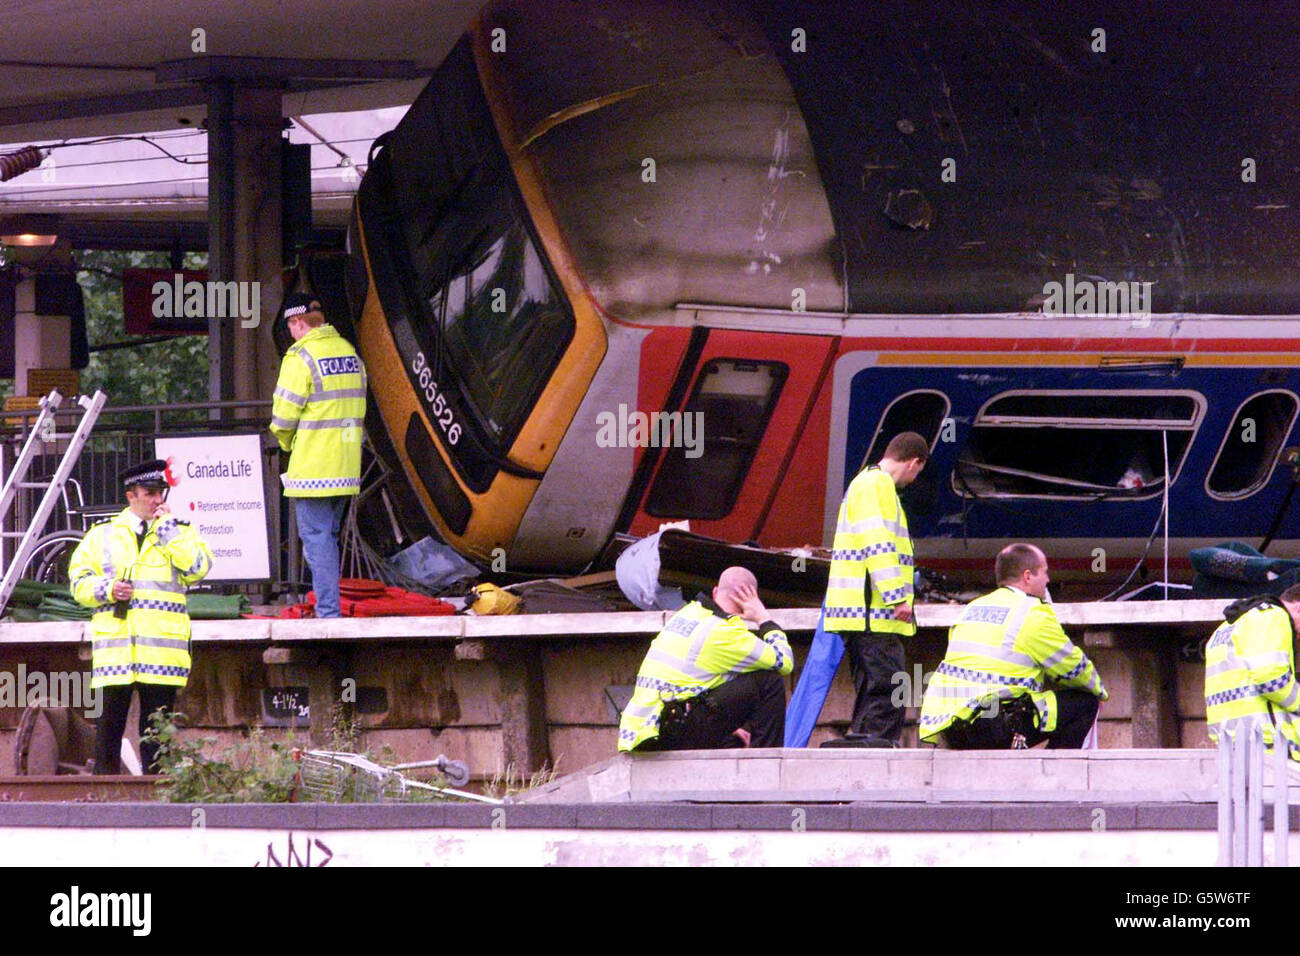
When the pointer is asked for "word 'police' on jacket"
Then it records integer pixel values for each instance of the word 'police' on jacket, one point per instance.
(1250, 677)
(318, 415)
(1004, 645)
(700, 648)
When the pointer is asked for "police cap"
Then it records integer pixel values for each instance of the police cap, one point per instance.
(150, 474)
(300, 303)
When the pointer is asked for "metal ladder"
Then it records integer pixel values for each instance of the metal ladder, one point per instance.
(42, 432)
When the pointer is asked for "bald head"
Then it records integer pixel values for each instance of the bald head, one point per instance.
(726, 595)
(737, 577)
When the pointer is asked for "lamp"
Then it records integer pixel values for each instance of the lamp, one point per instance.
(28, 239)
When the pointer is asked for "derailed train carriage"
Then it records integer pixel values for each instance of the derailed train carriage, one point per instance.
(815, 225)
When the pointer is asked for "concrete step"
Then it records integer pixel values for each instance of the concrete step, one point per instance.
(924, 775)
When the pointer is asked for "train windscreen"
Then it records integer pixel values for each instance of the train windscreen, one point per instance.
(490, 317)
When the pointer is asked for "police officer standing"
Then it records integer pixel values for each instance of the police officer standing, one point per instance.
(989, 689)
(869, 594)
(1250, 669)
(133, 569)
(317, 416)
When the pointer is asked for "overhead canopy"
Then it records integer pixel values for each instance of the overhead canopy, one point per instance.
(79, 69)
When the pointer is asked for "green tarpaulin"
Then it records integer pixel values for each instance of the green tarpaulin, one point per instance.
(34, 601)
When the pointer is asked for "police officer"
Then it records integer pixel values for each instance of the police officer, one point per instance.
(989, 689)
(133, 569)
(317, 415)
(1250, 669)
(709, 682)
(869, 593)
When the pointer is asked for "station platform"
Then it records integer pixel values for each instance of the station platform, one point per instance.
(926, 776)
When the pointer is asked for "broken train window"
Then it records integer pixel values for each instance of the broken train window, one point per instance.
(921, 411)
(1082, 445)
(1250, 448)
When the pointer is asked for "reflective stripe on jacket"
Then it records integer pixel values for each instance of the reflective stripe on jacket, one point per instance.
(697, 650)
(152, 644)
(318, 415)
(1004, 644)
(1250, 677)
(872, 555)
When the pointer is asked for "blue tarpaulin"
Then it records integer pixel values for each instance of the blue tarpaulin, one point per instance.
(814, 683)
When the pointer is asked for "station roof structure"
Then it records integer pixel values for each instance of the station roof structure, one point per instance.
(133, 77)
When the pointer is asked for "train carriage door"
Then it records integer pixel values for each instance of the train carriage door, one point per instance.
(746, 400)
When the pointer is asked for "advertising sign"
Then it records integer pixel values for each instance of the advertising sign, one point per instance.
(216, 485)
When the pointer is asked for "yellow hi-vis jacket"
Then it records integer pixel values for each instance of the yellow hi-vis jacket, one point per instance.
(1250, 677)
(872, 555)
(699, 648)
(1002, 646)
(318, 415)
(152, 644)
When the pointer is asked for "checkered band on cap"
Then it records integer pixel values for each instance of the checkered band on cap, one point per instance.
(299, 303)
(146, 473)
(144, 477)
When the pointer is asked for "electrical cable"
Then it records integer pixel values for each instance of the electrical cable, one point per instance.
(1150, 540)
(1164, 510)
(127, 139)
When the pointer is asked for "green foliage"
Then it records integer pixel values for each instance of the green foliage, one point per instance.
(256, 770)
(153, 373)
(511, 781)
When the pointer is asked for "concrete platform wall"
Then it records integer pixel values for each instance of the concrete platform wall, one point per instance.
(529, 701)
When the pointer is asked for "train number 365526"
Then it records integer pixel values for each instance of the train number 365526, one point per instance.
(439, 409)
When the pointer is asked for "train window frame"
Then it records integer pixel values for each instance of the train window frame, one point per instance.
(662, 471)
(884, 416)
(1276, 455)
(433, 259)
(1191, 427)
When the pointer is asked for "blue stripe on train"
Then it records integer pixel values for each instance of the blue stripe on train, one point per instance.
(936, 509)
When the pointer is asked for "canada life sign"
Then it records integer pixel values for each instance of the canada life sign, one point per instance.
(216, 484)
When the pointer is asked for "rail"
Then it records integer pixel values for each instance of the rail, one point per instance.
(1242, 783)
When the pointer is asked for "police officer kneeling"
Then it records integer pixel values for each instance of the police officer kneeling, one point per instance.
(133, 569)
(708, 682)
(1250, 675)
(988, 692)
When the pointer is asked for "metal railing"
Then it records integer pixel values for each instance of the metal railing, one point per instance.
(1241, 796)
(124, 436)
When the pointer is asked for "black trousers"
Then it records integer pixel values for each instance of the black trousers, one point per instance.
(874, 660)
(1075, 712)
(754, 701)
(112, 722)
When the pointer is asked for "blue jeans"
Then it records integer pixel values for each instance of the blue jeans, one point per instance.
(318, 528)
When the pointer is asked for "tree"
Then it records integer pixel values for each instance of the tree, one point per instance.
(152, 372)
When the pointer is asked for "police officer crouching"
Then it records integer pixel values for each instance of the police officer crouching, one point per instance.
(133, 569)
(1250, 677)
(709, 682)
(988, 692)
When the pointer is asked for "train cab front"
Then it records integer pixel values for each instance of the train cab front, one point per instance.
(476, 358)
